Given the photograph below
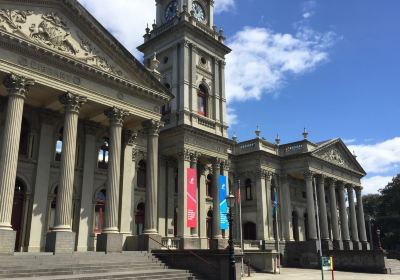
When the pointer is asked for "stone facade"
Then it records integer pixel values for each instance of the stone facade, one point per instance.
(95, 146)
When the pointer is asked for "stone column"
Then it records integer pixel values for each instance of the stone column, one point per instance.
(361, 220)
(216, 229)
(171, 171)
(62, 239)
(312, 229)
(162, 196)
(323, 216)
(268, 181)
(353, 219)
(225, 166)
(202, 208)
(110, 240)
(127, 207)
(286, 209)
(193, 164)
(150, 220)
(344, 224)
(86, 218)
(337, 243)
(17, 87)
(183, 165)
(261, 214)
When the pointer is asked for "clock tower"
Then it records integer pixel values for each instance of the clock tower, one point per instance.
(192, 53)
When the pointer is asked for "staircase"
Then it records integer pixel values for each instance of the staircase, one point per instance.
(392, 266)
(91, 265)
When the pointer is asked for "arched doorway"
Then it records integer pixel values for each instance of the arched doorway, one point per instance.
(17, 217)
(295, 223)
(139, 218)
(99, 211)
(249, 231)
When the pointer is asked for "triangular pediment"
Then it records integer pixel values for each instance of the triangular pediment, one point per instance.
(336, 152)
(68, 29)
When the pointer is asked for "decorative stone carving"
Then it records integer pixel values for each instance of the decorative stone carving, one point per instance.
(72, 102)
(152, 126)
(18, 85)
(130, 136)
(334, 156)
(116, 115)
(51, 30)
(185, 155)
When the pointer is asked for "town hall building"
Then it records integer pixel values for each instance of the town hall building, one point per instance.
(96, 146)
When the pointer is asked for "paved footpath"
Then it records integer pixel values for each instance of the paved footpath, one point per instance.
(311, 274)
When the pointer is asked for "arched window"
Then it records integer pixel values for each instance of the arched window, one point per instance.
(202, 95)
(139, 218)
(59, 144)
(249, 231)
(99, 211)
(24, 140)
(102, 160)
(249, 191)
(141, 175)
(209, 185)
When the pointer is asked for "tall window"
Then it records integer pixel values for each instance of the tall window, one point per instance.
(102, 161)
(141, 175)
(24, 140)
(59, 144)
(99, 211)
(202, 95)
(209, 185)
(249, 191)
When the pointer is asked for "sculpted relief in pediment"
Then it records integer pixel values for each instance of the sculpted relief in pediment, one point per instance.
(53, 31)
(334, 156)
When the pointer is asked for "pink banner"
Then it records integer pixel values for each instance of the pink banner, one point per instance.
(191, 197)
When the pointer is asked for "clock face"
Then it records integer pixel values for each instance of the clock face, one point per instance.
(170, 11)
(199, 13)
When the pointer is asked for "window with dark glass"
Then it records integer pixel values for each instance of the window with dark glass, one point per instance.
(102, 161)
(249, 194)
(202, 95)
(141, 175)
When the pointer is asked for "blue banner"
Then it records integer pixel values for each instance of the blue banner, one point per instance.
(223, 207)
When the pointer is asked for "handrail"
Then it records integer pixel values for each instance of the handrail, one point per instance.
(191, 252)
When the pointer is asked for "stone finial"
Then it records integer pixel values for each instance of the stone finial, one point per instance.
(234, 137)
(154, 25)
(305, 133)
(258, 131)
(147, 29)
(154, 63)
(277, 140)
(354, 154)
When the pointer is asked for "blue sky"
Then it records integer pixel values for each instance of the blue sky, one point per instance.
(330, 66)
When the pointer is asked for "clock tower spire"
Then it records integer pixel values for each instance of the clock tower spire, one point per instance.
(192, 55)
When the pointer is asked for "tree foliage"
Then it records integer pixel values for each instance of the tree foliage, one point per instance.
(384, 210)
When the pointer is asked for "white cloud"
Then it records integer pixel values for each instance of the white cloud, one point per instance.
(309, 8)
(223, 5)
(231, 116)
(349, 141)
(125, 19)
(379, 158)
(373, 184)
(262, 59)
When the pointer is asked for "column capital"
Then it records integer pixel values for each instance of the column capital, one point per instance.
(116, 115)
(130, 136)
(340, 185)
(226, 165)
(184, 154)
(320, 178)
(72, 102)
(152, 127)
(349, 187)
(194, 156)
(18, 85)
(216, 163)
(308, 174)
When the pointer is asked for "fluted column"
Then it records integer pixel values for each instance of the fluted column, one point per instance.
(268, 181)
(312, 229)
(344, 224)
(337, 244)
(361, 220)
(323, 218)
(17, 87)
(353, 218)
(202, 207)
(150, 220)
(116, 117)
(72, 104)
(216, 166)
(261, 214)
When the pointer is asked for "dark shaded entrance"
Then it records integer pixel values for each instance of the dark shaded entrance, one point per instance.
(249, 231)
(17, 212)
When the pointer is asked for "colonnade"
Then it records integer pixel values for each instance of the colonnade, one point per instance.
(61, 239)
(350, 232)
